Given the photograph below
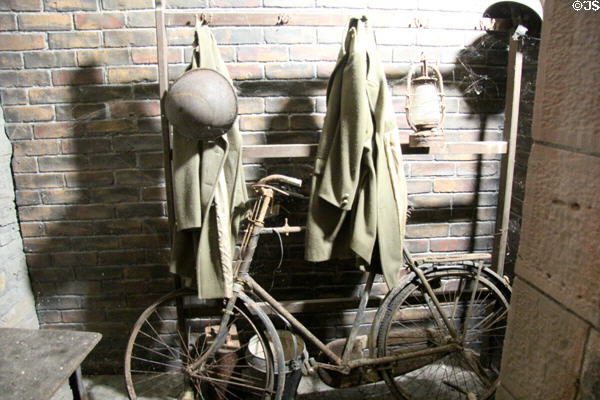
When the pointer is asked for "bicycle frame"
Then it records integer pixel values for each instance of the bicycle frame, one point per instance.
(243, 280)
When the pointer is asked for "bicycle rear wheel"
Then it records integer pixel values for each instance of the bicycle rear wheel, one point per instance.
(475, 306)
(160, 359)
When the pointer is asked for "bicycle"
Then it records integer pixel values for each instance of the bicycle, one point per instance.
(437, 335)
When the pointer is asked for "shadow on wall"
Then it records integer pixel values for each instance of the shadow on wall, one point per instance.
(481, 78)
(103, 255)
(483, 74)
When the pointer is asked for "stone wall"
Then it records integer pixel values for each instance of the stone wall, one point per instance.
(17, 307)
(552, 347)
(79, 93)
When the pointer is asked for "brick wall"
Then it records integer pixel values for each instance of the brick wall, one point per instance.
(79, 93)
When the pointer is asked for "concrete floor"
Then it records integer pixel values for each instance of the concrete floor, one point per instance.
(112, 387)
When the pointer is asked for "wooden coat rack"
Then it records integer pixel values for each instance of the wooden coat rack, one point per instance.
(507, 147)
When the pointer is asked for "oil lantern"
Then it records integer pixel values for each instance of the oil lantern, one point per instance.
(425, 109)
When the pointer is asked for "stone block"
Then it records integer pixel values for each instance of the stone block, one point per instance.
(13, 96)
(99, 20)
(127, 4)
(130, 109)
(44, 22)
(565, 116)
(432, 169)
(289, 71)
(18, 41)
(243, 71)
(132, 75)
(24, 78)
(589, 382)
(290, 35)
(426, 230)
(131, 37)
(28, 113)
(541, 332)
(72, 40)
(395, 36)
(314, 52)
(306, 122)
(251, 105)
(71, 5)
(292, 105)
(55, 58)
(559, 252)
(262, 53)
(10, 61)
(24, 164)
(141, 19)
(80, 112)
(263, 123)
(92, 145)
(149, 56)
(92, 58)
(236, 3)
(78, 77)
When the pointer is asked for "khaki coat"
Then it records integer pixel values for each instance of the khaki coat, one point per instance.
(353, 205)
(197, 166)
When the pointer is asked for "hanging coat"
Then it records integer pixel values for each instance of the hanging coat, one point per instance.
(209, 195)
(358, 197)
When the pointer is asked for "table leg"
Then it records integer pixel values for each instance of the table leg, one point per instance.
(76, 383)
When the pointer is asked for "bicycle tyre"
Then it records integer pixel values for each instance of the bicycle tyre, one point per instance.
(409, 324)
(161, 350)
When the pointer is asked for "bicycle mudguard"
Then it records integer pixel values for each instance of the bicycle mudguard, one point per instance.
(372, 341)
(499, 281)
(275, 342)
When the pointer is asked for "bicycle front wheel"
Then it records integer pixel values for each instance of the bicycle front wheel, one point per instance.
(161, 360)
(475, 306)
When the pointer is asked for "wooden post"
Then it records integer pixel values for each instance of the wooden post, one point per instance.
(511, 120)
(163, 85)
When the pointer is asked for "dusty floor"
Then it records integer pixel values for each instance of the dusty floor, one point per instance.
(103, 387)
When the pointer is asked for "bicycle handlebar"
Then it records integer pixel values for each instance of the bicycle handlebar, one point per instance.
(281, 178)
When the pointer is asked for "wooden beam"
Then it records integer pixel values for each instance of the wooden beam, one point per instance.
(310, 150)
(491, 147)
(323, 305)
(511, 121)
(280, 151)
(163, 85)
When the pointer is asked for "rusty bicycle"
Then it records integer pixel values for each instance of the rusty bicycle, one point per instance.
(437, 335)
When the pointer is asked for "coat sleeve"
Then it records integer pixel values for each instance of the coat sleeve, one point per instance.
(341, 172)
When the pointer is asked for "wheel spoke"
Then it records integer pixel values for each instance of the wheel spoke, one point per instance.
(218, 380)
(468, 301)
(154, 365)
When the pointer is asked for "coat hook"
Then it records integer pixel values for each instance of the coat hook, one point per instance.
(283, 19)
(203, 19)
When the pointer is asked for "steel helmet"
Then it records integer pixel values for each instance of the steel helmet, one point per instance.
(201, 104)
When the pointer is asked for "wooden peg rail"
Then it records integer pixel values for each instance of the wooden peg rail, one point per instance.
(178, 18)
(310, 150)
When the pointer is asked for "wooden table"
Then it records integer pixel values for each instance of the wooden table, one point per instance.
(34, 363)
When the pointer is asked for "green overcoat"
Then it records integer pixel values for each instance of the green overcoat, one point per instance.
(196, 167)
(353, 205)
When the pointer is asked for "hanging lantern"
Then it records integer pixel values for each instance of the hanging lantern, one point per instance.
(425, 109)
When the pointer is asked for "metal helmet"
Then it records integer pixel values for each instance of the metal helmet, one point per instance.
(201, 104)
